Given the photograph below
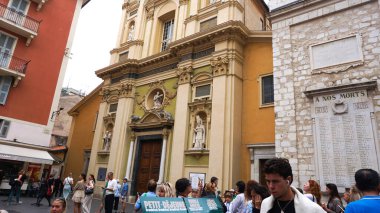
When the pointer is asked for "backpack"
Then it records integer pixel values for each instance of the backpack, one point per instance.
(12, 182)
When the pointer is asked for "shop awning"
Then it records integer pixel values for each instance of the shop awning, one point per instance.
(25, 154)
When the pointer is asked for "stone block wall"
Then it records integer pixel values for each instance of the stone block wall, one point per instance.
(292, 37)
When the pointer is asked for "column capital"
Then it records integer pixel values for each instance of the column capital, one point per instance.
(183, 2)
(132, 136)
(184, 74)
(126, 90)
(165, 132)
(150, 14)
(219, 65)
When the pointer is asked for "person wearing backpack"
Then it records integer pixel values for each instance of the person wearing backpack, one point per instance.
(16, 185)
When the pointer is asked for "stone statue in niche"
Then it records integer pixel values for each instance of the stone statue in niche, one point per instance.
(157, 100)
(199, 134)
(131, 32)
(107, 140)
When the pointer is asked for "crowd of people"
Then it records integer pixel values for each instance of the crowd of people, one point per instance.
(276, 196)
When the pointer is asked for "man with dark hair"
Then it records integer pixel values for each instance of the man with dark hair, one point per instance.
(183, 187)
(237, 204)
(152, 185)
(367, 181)
(285, 198)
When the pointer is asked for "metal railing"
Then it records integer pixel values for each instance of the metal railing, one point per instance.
(13, 63)
(19, 18)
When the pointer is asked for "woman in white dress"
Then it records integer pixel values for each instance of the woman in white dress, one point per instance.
(67, 184)
(86, 206)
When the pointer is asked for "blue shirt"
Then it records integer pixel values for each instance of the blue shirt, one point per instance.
(148, 194)
(368, 204)
(124, 190)
(117, 191)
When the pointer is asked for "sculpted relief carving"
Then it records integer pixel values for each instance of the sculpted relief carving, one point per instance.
(184, 74)
(219, 65)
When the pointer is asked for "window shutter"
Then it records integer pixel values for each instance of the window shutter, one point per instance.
(5, 84)
(4, 128)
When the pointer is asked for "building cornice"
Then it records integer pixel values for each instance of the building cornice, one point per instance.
(75, 109)
(231, 30)
(24, 145)
(294, 12)
(126, 45)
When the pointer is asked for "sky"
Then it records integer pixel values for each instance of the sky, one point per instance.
(95, 37)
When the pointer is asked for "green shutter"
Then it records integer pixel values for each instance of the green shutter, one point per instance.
(5, 84)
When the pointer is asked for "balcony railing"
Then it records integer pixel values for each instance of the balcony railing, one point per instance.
(13, 63)
(18, 18)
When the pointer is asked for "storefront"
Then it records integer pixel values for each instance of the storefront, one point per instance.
(37, 163)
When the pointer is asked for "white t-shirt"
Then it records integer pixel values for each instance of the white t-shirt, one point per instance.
(68, 180)
(112, 184)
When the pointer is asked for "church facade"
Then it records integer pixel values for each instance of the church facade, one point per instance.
(326, 75)
(172, 98)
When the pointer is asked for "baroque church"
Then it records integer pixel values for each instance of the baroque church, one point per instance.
(188, 93)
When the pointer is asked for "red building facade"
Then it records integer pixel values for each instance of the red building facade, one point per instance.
(35, 39)
(33, 42)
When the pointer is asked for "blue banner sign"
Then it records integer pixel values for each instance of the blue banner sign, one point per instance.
(162, 205)
(203, 205)
(188, 205)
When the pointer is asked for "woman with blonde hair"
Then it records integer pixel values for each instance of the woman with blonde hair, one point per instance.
(58, 206)
(313, 191)
(87, 201)
(79, 193)
(165, 190)
(355, 194)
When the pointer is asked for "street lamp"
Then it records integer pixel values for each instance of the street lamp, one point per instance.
(55, 113)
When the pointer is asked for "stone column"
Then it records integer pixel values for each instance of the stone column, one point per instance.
(163, 155)
(97, 142)
(182, 14)
(117, 157)
(147, 35)
(180, 130)
(225, 137)
(129, 163)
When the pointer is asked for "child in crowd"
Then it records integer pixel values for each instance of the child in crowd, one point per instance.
(227, 200)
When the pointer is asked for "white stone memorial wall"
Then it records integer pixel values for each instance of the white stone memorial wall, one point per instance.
(344, 136)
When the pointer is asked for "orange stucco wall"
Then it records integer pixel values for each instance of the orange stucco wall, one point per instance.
(81, 135)
(31, 100)
(258, 122)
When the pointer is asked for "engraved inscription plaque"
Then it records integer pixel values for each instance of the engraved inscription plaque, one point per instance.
(336, 52)
(344, 136)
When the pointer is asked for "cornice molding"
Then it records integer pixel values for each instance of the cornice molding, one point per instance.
(126, 45)
(224, 30)
(231, 30)
(124, 65)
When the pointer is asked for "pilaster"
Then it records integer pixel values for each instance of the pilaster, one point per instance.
(180, 131)
(119, 142)
(98, 138)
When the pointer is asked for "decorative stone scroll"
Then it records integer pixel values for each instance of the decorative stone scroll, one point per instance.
(345, 139)
(219, 65)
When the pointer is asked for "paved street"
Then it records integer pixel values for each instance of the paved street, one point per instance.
(26, 206)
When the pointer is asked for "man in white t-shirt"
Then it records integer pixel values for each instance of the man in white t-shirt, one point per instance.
(110, 193)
